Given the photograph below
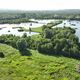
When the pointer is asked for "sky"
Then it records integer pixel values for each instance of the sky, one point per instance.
(39, 4)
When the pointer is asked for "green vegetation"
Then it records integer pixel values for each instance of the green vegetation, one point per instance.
(25, 16)
(21, 44)
(52, 41)
(8, 51)
(54, 54)
(13, 18)
(39, 29)
(59, 41)
(29, 64)
(14, 21)
(9, 39)
(36, 67)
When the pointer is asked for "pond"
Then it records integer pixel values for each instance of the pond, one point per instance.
(13, 28)
(15, 32)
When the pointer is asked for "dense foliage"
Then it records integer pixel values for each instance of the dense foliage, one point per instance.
(59, 41)
(12, 40)
(56, 41)
(22, 44)
(24, 16)
(18, 60)
(9, 39)
(16, 16)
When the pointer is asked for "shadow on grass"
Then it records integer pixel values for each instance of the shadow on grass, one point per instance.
(25, 53)
(62, 53)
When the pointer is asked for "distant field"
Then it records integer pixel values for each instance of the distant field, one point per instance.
(36, 66)
(38, 29)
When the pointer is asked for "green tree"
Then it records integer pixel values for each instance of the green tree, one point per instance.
(48, 33)
(21, 44)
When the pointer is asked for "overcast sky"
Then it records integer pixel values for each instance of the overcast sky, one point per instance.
(39, 4)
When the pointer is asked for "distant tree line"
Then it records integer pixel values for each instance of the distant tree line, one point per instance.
(18, 17)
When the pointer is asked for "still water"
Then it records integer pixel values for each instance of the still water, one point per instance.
(13, 28)
(8, 28)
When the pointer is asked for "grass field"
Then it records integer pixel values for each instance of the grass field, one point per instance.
(36, 66)
(38, 29)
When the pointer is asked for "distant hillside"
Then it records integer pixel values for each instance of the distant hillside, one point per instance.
(67, 11)
(45, 14)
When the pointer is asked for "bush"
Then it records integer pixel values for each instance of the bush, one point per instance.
(9, 39)
(46, 48)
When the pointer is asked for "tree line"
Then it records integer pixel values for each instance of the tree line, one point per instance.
(52, 41)
(18, 17)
